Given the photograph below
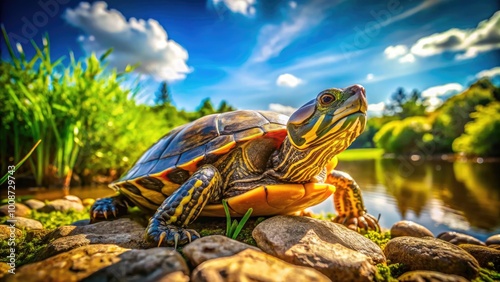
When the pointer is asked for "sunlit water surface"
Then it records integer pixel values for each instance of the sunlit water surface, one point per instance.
(442, 196)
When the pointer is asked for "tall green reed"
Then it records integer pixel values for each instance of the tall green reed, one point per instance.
(61, 105)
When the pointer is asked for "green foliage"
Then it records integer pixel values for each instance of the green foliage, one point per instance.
(482, 135)
(233, 229)
(89, 123)
(382, 137)
(403, 105)
(450, 119)
(68, 107)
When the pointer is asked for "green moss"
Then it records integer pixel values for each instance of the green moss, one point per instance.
(55, 219)
(380, 239)
(26, 247)
(389, 273)
(487, 275)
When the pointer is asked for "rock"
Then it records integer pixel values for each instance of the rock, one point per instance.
(484, 255)
(19, 210)
(333, 260)
(34, 204)
(493, 240)
(87, 202)
(251, 265)
(409, 228)
(425, 275)
(459, 238)
(82, 222)
(278, 234)
(211, 247)
(74, 265)
(155, 264)
(431, 254)
(5, 232)
(27, 223)
(73, 198)
(123, 232)
(62, 205)
(494, 246)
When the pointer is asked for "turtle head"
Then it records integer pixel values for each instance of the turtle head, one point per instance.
(336, 117)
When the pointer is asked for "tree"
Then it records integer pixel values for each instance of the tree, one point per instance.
(162, 96)
(450, 119)
(225, 107)
(404, 136)
(405, 105)
(206, 108)
(482, 135)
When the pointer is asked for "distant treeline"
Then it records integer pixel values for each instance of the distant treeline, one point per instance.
(467, 123)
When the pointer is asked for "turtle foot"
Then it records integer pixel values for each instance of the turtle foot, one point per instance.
(169, 235)
(363, 223)
(107, 209)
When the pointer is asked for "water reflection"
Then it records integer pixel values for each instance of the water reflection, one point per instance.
(441, 195)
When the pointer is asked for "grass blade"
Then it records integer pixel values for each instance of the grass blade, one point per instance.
(4, 178)
(228, 217)
(243, 220)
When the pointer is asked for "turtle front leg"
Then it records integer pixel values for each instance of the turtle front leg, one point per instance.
(110, 207)
(167, 226)
(348, 202)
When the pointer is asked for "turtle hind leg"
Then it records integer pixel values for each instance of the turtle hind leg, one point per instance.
(348, 202)
(109, 208)
(167, 226)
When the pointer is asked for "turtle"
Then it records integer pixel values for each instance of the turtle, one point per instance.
(262, 160)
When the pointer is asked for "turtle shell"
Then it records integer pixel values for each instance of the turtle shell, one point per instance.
(171, 160)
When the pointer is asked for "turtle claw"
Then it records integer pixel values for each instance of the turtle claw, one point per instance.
(105, 207)
(170, 235)
(362, 223)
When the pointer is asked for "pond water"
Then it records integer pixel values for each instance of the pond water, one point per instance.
(441, 195)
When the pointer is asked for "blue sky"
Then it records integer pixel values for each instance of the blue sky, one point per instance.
(264, 54)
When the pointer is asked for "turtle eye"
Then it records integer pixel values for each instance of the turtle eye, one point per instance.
(326, 99)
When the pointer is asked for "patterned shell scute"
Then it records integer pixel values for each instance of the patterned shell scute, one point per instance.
(206, 137)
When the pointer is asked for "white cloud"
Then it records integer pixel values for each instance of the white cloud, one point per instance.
(489, 73)
(442, 90)
(133, 41)
(282, 109)
(483, 38)
(396, 51)
(244, 7)
(408, 58)
(292, 4)
(434, 93)
(370, 76)
(376, 109)
(288, 80)
(273, 38)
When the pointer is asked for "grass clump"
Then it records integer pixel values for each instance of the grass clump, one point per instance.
(234, 228)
